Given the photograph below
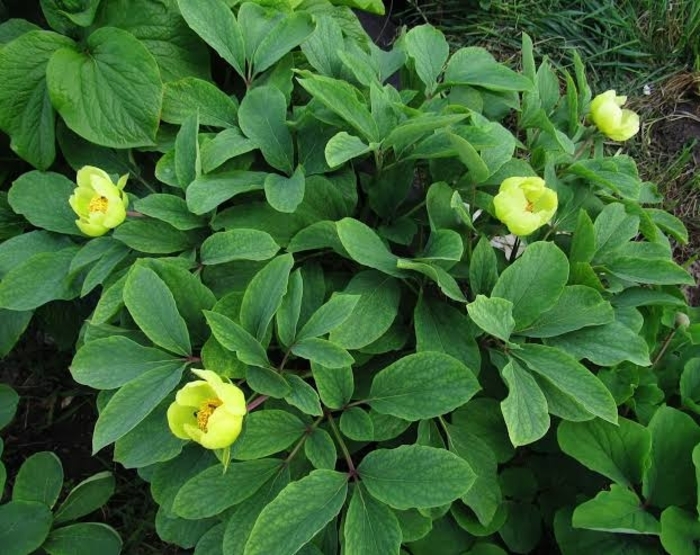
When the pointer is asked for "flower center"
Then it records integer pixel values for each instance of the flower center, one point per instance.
(206, 409)
(530, 206)
(98, 204)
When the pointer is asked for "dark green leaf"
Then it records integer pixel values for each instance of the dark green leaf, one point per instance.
(194, 97)
(473, 65)
(238, 244)
(525, 407)
(323, 352)
(40, 479)
(291, 31)
(618, 510)
(234, 338)
(371, 528)
(266, 432)
(493, 315)
(335, 385)
(320, 449)
(84, 538)
(285, 194)
(209, 191)
(24, 526)
(88, 496)
(303, 396)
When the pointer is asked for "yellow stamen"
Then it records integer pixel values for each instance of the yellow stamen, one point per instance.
(206, 409)
(98, 204)
(530, 206)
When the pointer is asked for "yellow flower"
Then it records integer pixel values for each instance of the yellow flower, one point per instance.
(611, 119)
(524, 204)
(100, 203)
(208, 411)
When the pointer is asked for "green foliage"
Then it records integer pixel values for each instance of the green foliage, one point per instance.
(415, 377)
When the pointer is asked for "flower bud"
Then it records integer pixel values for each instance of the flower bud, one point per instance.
(611, 119)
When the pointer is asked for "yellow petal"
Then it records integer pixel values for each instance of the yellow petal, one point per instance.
(93, 230)
(194, 394)
(178, 417)
(223, 428)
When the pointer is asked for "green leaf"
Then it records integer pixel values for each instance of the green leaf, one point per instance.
(525, 407)
(583, 244)
(533, 282)
(84, 538)
(289, 32)
(441, 327)
(200, 496)
(263, 296)
(214, 22)
(656, 271)
(577, 307)
(153, 308)
(298, 513)
(320, 449)
(26, 113)
(209, 191)
(613, 227)
(429, 50)
(238, 244)
(605, 345)
(111, 362)
(571, 377)
(356, 424)
(24, 525)
(152, 236)
(493, 315)
(680, 531)
(474, 65)
(483, 270)
(212, 542)
(618, 510)
(191, 96)
(322, 352)
(335, 385)
(303, 396)
(149, 442)
(329, 316)
(40, 479)
(234, 338)
(160, 27)
(618, 452)
(287, 316)
(616, 174)
(13, 325)
(170, 209)
(673, 436)
(285, 194)
(343, 147)
(42, 278)
(42, 198)
(371, 528)
(373, 314)
(187, 162)
(365, 246)
(415, 476)
(343, 99)
(319, 48)
(132, 403)
(422, 385)
(262, 117)
(96, 94)
(266, 432)
(88, 496)
(226, 145)
(8, 405)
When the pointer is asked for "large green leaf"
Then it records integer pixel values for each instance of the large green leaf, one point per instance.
(618, 510)
(213, 20)
(323, 352)
(88, 496)
(533, 282)
(111, 362)
(329, 316)
(169, 208)
(415, 476)
(429, 50)
(238, 244)
(422, 385)
(97, 95)
(289, 32)
(9, 399)
(209, 191)
(365, 246)
(266, 432)
(263, 296)
(40, 479)
(371, 528)
(201, 497)
(373, 314)
(160, 27)
(153, 308)
(132, 403)
(571, 377)
(474, 65)
(153, 236)
(680, 531)
(525, 407)
(285, 194)
(42, 198)
(26, 114)
(236, 339)
(84, 538)
(191, 96)
(673, 436)
(262, 117)
(335, 385)
(298, 513)
(493, 315)
(619, 452)
(24, 525)
(441, 327)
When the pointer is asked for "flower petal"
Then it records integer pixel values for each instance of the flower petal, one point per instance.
(193, 394)
(223, 428)
(178, 417)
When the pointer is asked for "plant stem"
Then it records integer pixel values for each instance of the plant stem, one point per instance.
(303, 439)
(352, 471)
(664, 346)
(255, 403)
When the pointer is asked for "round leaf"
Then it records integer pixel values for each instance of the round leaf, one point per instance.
(24, 526)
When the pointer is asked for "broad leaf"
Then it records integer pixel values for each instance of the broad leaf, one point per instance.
(40, 479)
(525, 407)
(618, 510)
(370, 526)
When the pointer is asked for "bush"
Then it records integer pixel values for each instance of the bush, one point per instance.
(343, 256)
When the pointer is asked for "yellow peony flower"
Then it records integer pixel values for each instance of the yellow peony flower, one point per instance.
(611, 119)
(524, 204)
(100, 203)
(208, 411)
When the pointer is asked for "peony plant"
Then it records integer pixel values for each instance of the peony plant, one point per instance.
(378, 374)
